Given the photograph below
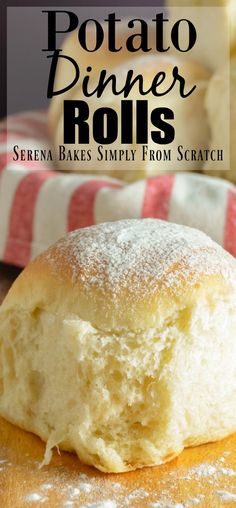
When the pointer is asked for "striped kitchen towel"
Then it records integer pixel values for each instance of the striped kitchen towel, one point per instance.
(38, 204)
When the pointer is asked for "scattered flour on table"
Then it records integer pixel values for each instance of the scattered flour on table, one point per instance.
(196, 500)
(166, 504)
(226, 496)
(206, 470)
(116, 486)
(162, 504)
(3, 461)
(81, 487)
(86, 491)
(34, 497)
(47, 486)
(101, 504)
(137, 494)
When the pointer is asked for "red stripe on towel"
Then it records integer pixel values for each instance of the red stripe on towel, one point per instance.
(21, 220)
(81, 208)
(157, 197)
(7, 158)
(230, 223)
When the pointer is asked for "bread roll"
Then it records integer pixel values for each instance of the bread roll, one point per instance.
(118, 343)
(216, 28)
(103, 58)
(221, 111)
(191, 129)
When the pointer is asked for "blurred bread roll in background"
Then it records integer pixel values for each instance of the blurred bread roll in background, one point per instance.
(216, 28)
(221, 111)
(103, 59)
(190, 123)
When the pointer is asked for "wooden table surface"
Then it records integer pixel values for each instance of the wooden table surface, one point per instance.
(203, 476)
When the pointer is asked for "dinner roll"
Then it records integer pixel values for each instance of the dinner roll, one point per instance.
(222, 121)
(190, 123)
(191, 128)
(102, 59)
(118, 343)
(215, 22)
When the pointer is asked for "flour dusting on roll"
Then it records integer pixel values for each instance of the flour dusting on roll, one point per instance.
(118, 343)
